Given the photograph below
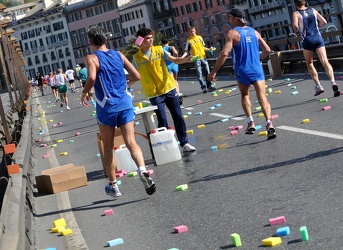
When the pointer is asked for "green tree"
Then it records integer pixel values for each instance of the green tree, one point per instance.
(8, 4)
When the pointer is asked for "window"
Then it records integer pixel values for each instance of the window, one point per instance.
(78, 16)
(23, 35)
(60, 54)
(98, 10)
(176, 12)
(166, 4)
(31, 33)
(158, 6)
(67, 52)
(58, 26)
(105, 7)
(38, 31)
(89, 12)
(33, 44)
(41, 42)
(183, 10)
(115, 44)
(208, 4)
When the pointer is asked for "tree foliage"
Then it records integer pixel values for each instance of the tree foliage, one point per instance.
(8, 4)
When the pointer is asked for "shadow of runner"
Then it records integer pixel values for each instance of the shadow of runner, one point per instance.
(272, 166)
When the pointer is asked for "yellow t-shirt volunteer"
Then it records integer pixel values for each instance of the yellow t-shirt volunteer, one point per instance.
(155, 78)
(196, 44)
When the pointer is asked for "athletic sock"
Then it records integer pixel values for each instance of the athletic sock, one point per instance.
(250, 119)
(268, 121)
(142, 169)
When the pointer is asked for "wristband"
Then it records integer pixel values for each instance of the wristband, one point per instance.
(83, 94)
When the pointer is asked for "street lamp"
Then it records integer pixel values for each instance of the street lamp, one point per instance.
(334, 29)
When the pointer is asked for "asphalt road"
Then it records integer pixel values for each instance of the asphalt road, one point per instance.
(236, 189)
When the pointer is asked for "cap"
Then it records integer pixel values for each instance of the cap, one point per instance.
(239, 14)
(77, 65)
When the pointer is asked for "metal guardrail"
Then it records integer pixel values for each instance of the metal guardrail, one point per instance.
(289, 57)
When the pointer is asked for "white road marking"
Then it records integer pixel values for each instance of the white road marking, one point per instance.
(189, 108)
(311, 132)
(227, 116)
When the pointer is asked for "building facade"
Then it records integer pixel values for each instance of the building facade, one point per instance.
(82, 15)
(135, 15)
(44, 38)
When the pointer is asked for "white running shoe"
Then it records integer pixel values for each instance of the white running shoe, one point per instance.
(188, 148)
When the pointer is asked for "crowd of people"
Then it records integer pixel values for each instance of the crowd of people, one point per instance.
(109, 74)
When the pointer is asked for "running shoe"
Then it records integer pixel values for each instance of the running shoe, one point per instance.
(61, 105)
(68, 108)
(251, 128)
(149, 184)
(336, 92)
(319, 89)
(188, 148)
(112, 190)
(211, 88)
(271, 131)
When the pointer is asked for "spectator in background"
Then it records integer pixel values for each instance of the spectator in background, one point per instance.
(77, 70)
(173, 68)
(195, 44)
(245, 43)
(39, 79)
(83, 74)
(106, 74)
(306, 22)
(159, 86)
(54, 89)
(70, 75)
(60, 82)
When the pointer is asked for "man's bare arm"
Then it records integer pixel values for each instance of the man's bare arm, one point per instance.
(266, 51)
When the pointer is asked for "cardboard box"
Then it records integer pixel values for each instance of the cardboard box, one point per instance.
(118, 138)
(61, 179)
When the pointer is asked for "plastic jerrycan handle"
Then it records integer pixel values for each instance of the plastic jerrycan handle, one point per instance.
(161, 129)
(122, 146)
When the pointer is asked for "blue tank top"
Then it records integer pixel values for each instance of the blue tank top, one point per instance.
(167, 48)
(246, 56)
(308, 25)
(110, 83)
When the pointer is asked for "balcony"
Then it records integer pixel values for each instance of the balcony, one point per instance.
(65, 42)
(42, 48)
(53, 58)
(60, 56)
(57, 44)
(37, 62)
(50, 46)
(163, 13)
(27, 53)
(267, 7)
(68, 54)
(45, 60)
(34, 50)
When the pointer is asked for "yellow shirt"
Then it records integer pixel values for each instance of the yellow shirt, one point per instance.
(197, 46)
(155, 78)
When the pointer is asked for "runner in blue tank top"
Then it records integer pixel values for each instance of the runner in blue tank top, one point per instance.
(114, 109)
(306, 22)
(246, 59)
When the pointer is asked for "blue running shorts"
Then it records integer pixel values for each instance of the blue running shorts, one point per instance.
(115, 118)
(173, 67)
(313, 42)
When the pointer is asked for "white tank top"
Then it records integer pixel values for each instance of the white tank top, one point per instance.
(60, 81)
